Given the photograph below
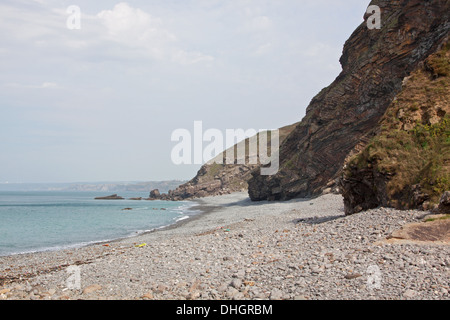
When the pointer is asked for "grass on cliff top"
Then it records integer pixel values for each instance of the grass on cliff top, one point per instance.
(413, 145)
(420, 156)
(447, 216)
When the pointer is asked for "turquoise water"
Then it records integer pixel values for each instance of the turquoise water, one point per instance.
(42, 221)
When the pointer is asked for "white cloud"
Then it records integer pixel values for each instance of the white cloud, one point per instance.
(123, 31)
(136, 29)
(44, 85)
(133, 26)
(118, 79)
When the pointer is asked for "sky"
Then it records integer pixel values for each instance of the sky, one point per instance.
(99, 100)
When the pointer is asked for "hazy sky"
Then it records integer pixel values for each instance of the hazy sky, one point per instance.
(100, 103)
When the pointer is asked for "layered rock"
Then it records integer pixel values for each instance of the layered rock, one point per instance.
(345, 115)
(406, 164)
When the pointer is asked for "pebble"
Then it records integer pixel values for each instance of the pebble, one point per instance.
(148, 295)
(409, 294)
(351, 276)
(231, 292)
(276, 251)
(3, 291)
(276, 294)
(236, 283)
(92, 288)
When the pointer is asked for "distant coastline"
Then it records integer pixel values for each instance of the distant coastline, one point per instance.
(101, 186)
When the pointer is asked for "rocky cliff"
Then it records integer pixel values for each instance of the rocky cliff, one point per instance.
(407, 163)
(216, 179)
(343, 117)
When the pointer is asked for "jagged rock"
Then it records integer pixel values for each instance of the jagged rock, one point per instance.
(418, 196)
(347, 113)
(444, 203)
(215, 179)
(155, 194)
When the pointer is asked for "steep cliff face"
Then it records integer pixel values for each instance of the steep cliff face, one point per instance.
(407, 163)
(345, 115)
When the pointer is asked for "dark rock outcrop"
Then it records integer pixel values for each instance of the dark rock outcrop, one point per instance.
(444, 203)
(155, 194)
(111, 197)
(346, 114)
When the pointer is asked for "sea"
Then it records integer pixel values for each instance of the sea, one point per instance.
(34, 221)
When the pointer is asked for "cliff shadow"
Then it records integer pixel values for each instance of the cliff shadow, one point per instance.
(248, 202)
(318, 220)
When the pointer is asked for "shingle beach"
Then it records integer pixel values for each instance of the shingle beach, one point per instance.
(236, 249)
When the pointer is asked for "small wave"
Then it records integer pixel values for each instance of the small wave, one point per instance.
(140, 209)
(186, 209)
(182, 218)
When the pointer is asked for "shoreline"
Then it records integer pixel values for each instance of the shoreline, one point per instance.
(204, 210)
(197, 206)
(238, 249)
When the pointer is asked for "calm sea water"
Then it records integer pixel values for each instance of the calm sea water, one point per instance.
(42, 221)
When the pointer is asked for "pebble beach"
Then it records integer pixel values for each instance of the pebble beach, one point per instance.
(304, 249)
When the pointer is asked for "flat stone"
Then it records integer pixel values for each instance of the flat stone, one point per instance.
(92, 288)
(236, 283)
(193, 295)
(409, 294)
(351, 276)
(3, 291)
(148, 295)
(276, 294)
(222, 288)
(231, 292)
(437, 230)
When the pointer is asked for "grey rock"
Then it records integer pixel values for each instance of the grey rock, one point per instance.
(236, 283)
(276, 294)
(409, 294)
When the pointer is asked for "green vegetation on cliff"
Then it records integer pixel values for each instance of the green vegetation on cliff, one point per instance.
(412, 147)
